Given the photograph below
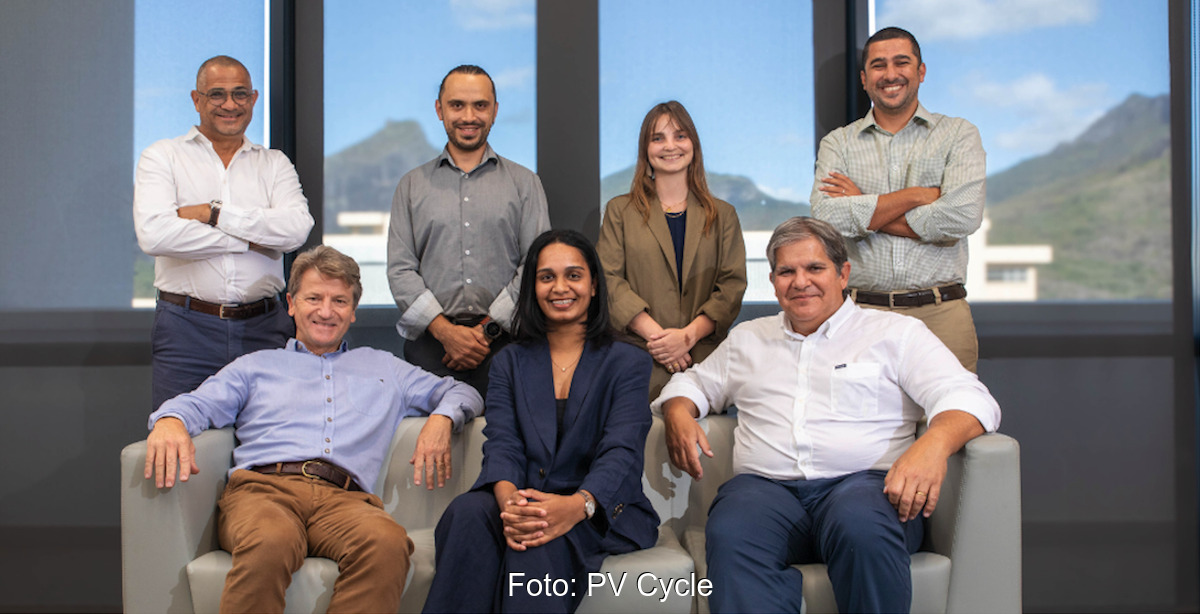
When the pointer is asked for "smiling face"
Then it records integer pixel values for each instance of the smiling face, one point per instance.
(564, 286)
(467, 107)
(670, 148)
(892, 76)
(323, 308)
(808, 285)
(228, 119)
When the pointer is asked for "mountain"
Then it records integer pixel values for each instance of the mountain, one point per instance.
(1103, 200)
(363, 177)
(756, 210)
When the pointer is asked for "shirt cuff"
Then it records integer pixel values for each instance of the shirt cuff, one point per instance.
(502, 309)
(985, 410)
(678, 386)
(417, 317)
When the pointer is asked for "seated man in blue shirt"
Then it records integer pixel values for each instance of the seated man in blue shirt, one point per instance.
(314, 421)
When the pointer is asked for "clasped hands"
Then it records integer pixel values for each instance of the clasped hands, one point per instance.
(532, 518)
(466, 346)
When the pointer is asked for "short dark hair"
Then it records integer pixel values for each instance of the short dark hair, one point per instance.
(467, 69)
(529, 323)
(219, 60)
(800, 228)
(329, 263)
(887, 34)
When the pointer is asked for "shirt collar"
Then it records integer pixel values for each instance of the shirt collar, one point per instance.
(195, 135)
(829, 328)
(489, 155)
(921, 115)
(294, 345)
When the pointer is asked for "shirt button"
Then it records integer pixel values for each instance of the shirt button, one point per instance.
(327, 450)
(467, 252)
(466, 199)
(467, 224)
(326, 377)
(329, 419)
(468, 281)
(328, 399)
(327, 440)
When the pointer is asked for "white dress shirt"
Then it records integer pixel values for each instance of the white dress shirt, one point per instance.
(846, 398)
(261, 204)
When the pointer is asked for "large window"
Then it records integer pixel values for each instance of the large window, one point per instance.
(744, 72)
(1072, 100)
(170, 44)
(383, 63)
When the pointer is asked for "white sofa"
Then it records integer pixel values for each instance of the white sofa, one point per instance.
(171, 561)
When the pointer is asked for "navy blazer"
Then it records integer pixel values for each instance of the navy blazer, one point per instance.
(602, 449)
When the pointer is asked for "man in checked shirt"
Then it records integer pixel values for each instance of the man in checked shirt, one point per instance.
(905, 187)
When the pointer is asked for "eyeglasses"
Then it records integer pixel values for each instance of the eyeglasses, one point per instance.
(218, 97)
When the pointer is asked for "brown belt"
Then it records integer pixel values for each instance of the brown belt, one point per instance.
(916, 298)
(225, 312)
(312, 469)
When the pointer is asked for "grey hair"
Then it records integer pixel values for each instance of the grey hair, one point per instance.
(800, 228)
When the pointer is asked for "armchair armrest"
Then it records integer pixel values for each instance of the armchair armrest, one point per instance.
(978, 525)
(163, 530)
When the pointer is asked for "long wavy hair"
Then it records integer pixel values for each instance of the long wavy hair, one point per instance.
(641, 192)
(529, 322)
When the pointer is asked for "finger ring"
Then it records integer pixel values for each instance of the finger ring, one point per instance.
(843, 191)
(920, 494)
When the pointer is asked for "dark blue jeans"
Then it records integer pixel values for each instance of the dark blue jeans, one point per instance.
(188, 346)
(757, 528)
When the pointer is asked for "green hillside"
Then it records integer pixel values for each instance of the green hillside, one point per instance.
(1102, 201)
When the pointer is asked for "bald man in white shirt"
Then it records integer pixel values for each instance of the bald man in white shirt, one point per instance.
(827, 465)
(217, 212)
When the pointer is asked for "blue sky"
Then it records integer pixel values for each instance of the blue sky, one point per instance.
(1029, 73)
(173, 37)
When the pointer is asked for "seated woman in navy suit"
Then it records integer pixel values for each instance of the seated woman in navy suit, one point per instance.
(561, 482)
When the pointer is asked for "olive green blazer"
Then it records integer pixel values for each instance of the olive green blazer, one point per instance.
(639, 265)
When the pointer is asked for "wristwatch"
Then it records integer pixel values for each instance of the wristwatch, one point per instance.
(214, 212)
(492, 330)
(589, 504)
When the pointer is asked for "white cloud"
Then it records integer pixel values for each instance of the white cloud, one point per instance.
(515, 78)
(969, 19)
(494, 14)
(1046, 113)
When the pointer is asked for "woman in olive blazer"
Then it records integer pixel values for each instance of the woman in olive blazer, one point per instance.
(673, 255)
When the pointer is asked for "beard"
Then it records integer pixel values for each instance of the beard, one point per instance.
(479, 141)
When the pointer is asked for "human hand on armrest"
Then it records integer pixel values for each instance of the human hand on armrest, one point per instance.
(432, 456)
(914, 482)
(685, 438)
(168, 448)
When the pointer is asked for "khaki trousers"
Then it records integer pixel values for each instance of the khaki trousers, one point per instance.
(952, 323)
(270, 523)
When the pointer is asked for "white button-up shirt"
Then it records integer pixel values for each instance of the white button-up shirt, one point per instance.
(261, 204)
(846, 398)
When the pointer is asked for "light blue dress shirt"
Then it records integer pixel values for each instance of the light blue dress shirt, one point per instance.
(343, 407)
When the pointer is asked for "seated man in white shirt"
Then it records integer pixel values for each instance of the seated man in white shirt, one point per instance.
(827, 465)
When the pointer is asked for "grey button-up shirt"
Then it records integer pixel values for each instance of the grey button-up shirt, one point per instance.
(932, 150)
(457, 239)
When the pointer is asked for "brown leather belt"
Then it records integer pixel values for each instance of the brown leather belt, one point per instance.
(915, 298)
(312, 469)
(225, 312)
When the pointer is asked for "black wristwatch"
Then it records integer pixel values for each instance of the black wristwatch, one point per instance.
(214, 212)
(492, 330)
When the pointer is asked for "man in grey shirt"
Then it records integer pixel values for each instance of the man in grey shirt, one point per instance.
(460, 227)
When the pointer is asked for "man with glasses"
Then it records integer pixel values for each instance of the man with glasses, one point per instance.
(217, 212)
(460, 227)
(905, 187)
